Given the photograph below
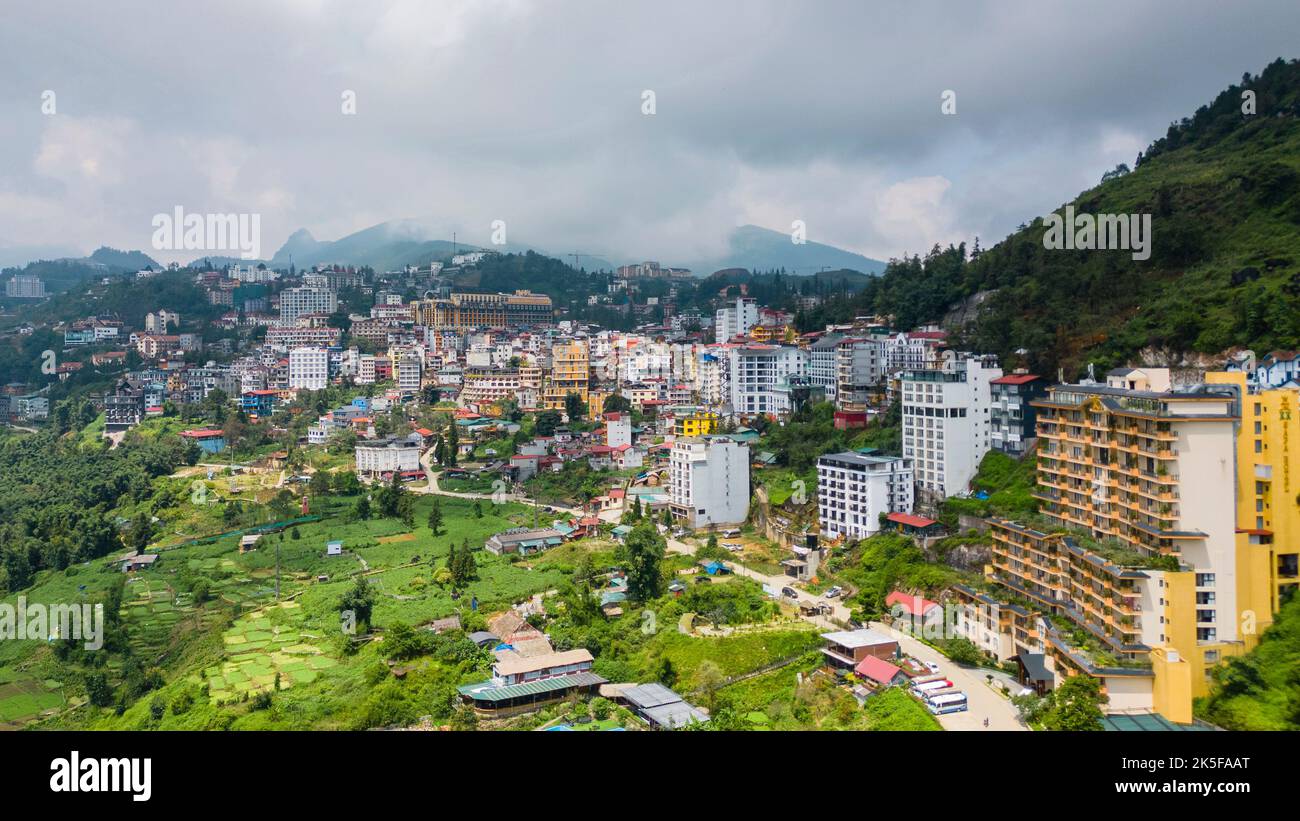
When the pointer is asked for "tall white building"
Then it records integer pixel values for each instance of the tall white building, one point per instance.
(854, 489)
(296, 302)
(757, 370)
(859, 368)
(735, 319)
(309, 369)
(823, 364)
(409, 371)
(708, 482)
(947, 424)
(387, 455)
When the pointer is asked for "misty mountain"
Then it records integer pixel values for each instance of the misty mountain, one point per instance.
(761, 249)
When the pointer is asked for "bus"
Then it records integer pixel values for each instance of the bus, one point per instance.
(919, 680)
(937, 684)
(930, 695)
(951, 703)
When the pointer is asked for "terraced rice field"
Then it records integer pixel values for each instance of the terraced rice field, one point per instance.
(257, 650)
(23, 698)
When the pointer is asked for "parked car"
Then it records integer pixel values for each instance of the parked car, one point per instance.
(789, 592)
(934, 668)
(834, 591)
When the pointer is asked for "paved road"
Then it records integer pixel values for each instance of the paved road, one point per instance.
(983, 700)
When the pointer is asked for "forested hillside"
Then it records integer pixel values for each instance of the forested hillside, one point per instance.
(1223, 189)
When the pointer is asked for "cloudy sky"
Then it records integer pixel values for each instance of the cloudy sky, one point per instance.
(531, 112)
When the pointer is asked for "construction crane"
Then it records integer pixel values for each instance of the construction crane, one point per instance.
(576, 256)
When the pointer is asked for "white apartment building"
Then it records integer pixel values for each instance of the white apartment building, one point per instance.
(947, 425)
(708, 482)
(918, 350)
(859, 368)
(711, 377)
(366, 369)
(735, 319)
(854, 489)
(387, 455)
(309, 369)
(618, 430)
(757, 370)
(409, 370)
(823, 364)
(296, 302)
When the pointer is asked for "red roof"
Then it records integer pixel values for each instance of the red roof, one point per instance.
(1015, 379)
(207, 433)
(424, 431)
(877, 669)
(911, 519)
(911, 604)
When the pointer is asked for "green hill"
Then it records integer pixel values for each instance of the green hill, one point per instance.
(1223, 192)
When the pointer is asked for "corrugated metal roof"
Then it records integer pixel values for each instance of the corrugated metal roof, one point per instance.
(485, 691)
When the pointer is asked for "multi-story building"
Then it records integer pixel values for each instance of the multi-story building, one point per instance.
(482, 386)
(387, 455)
(855, 489)
(301, 301)
(409, 371)
(1013, 417)
(465, 311)
(859, 369)
(1144, 471)
(695, 422)
(823, 363)
(947, 422)
(756, 371)
(570, 373)
(709, 482)
(309, 369)
(735, 319)
(25, 286)
(1268, 479)
(287, 338)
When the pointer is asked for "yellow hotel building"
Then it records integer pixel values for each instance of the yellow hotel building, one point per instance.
(1168, 531)
(570, 373)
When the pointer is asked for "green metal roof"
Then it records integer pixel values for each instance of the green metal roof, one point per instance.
(1147, 722)
(485, 691)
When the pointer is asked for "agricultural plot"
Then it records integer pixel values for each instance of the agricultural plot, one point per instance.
(24, 698)
(257, 650)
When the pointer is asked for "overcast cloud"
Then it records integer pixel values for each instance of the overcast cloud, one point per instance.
(530, 111)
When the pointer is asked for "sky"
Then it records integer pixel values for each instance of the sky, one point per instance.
(534, 113)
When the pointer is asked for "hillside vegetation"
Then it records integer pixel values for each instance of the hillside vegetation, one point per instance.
(1223, 191)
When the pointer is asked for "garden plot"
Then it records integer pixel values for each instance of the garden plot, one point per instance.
(256, 650)
(24, 698)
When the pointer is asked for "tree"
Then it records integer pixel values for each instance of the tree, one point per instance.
(347, 483)
(435, 517)
(406, 509)
(320, 484)
(361, 510)
(546, 423)
(708, 679)
(645, 550)
(141, 532)
(452, 447)
(360, 601)
(1076, 705)
(617, 403)
(574, 407)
